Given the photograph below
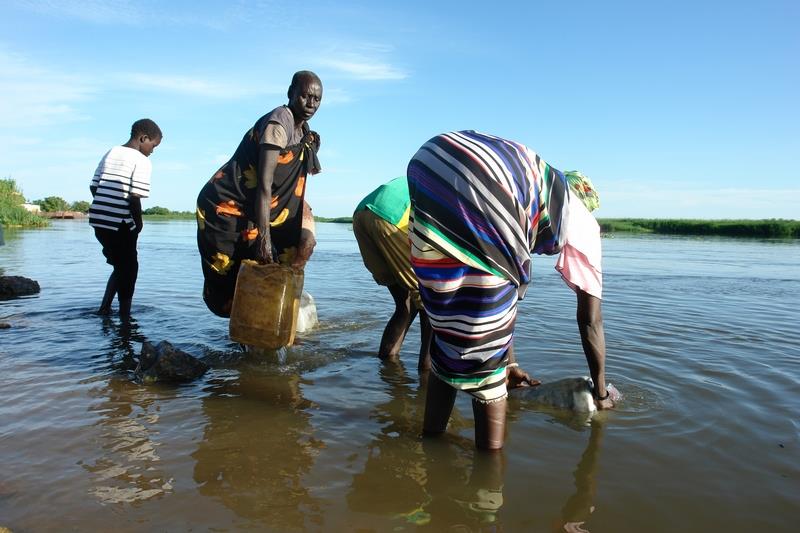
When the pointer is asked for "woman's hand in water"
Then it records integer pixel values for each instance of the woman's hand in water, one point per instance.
(517, 377)
(605, 403)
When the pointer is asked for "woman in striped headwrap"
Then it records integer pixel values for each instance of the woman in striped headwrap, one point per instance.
(480, 206)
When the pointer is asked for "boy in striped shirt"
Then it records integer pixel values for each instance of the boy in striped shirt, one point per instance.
(122, 178)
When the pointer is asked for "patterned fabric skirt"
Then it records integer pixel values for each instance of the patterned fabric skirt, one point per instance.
(225, 236)
(480, 205)
(472, 314)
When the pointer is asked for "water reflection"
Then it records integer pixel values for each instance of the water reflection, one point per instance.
(444, 483)
(257, 446)
(465, 486)
(127, 469)
(433, 483)
(395, 454)
(578, 508)
(122, 337)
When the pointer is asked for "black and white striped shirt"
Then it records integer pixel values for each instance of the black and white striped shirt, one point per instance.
(122, 172)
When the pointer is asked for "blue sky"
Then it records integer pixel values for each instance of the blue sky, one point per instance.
(673, 109)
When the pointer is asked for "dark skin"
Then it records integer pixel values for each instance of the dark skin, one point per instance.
(396, 329)
(517, 377)
(589, 316)
(146, 145)
(304, 100)
(490, 418)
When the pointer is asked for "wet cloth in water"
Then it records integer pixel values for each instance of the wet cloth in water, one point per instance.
(380, 225)
(479, 206)
(226, 209)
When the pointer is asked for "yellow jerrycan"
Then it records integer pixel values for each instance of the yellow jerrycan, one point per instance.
(265, 304)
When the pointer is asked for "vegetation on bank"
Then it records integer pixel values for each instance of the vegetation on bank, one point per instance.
(766, 228)
(53, 204)
(162, 213)
(11, 211)
(337, 220)
(13, 214)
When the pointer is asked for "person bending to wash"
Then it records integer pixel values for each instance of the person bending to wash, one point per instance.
(254, 206)
(480, 205)
(380, 225)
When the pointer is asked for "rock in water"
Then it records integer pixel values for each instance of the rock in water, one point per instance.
(15, 286)
(307, 315)
(167, 364)
(570, 394)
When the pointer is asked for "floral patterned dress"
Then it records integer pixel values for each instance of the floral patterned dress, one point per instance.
(226, 210)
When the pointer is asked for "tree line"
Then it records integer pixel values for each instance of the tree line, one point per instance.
(13, 214)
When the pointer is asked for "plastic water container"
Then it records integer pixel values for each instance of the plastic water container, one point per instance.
(265, 305)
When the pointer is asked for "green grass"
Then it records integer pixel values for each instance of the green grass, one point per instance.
(172, 215)
(11, 211)
(766, 228)
(337, 220)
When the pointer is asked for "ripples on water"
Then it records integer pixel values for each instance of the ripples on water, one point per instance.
(703, 344)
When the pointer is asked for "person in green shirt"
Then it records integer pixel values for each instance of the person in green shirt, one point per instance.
(380, 224)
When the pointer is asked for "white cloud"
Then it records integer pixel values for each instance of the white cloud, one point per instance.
(335, 96)
(216, 15)
(365, 61)
(364, 69)
(97, 11)
(35, 96)
(196, 86)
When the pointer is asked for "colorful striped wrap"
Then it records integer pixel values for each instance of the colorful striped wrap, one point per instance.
(480, 206)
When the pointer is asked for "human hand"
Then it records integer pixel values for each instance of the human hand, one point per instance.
(604, 403)
(516, 377)
(264, 248)
(304, 249)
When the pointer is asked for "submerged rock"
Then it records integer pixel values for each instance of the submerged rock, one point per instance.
(167, 364)
(569, 394)
(16, 286)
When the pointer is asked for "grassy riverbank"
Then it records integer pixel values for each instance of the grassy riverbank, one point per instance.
(173, 215)
(764, 229)
(11, 211)
(767, 228)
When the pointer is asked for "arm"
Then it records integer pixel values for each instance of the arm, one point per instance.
(517, 377)
(267, 162)
(136, 212)
(307, 242)
(590, 324)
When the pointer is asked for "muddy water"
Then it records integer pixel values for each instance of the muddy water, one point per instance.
(703, 344)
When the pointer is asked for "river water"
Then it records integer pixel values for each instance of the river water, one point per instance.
(703, 343)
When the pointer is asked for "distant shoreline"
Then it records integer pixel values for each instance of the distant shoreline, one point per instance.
(762, 229)
(759, 229)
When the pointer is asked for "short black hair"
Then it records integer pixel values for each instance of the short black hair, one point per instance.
(299, 77)
(145, 126)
